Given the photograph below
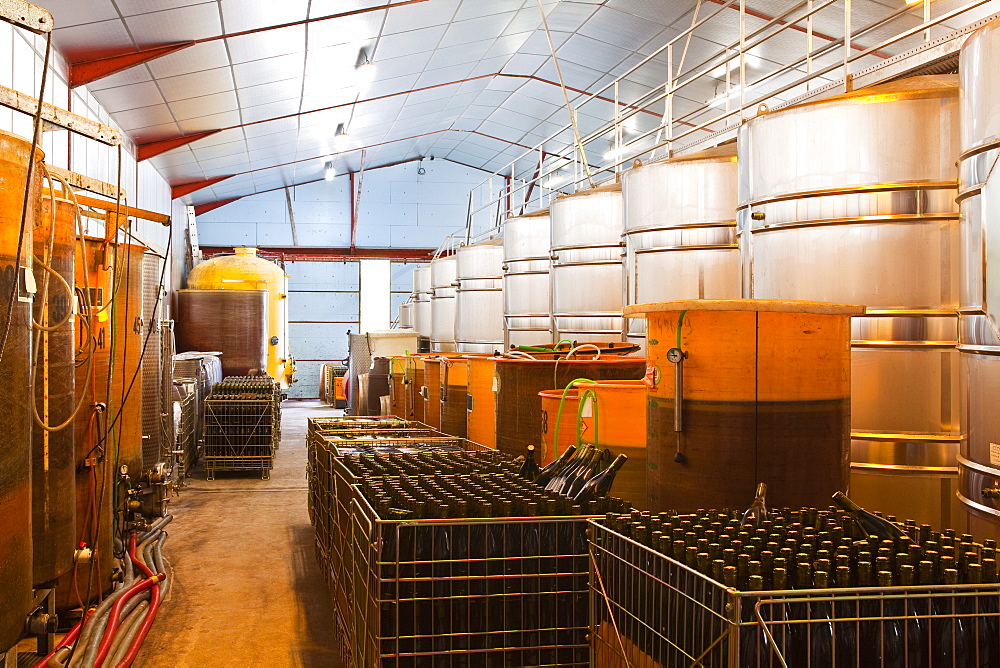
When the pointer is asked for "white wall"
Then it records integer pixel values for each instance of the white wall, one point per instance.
(399, 209)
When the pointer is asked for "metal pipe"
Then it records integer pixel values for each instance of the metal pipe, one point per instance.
(156, 527)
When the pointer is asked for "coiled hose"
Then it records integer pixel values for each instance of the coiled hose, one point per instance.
(112, 633)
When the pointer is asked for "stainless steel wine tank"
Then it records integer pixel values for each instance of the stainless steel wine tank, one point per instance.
(852, 199)
(586, 276)
(443, 304)
(527, 310)
(422, 301)
(680, 231)
(979, 334)
(479, 300)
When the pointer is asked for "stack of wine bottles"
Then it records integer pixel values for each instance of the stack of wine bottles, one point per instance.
(432, 462)
(360, 422)
(583, 474)
(473, 495)
(241, 425)
(893, 594)
(471, 569)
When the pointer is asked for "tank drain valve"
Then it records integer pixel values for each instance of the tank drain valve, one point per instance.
(83, 554)
(40, 622)
(991, 493)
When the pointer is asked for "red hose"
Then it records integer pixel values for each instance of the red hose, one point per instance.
(154, 605)
(133, 649)
(113, 619)
(135, 560)
(67, 639)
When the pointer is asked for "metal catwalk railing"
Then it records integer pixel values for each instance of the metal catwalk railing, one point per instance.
(811, 49)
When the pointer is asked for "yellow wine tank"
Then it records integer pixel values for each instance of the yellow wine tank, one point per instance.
(245, 270)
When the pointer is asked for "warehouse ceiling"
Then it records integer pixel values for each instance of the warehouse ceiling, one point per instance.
(232, 97)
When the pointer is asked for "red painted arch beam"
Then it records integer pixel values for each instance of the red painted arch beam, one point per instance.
(292, 253)
(88, 71)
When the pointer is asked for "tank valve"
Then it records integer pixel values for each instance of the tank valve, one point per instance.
(757, 215)
(39, 622)
(83, 554)
(991, 493)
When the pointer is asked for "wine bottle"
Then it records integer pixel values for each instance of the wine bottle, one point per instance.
(820, 625)
(986, 629)
(600, 484)
(554, 467)
(582, 454)
(845, 633)
(573, 480)
(949, 632)
(872, 524)
(757, 512)
(892, 628)
(529, 469)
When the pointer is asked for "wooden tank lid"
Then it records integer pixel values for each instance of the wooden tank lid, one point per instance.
(532, 214)
(596, 190)
(768, 305)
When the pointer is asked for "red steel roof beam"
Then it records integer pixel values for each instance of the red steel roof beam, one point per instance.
(97, 68)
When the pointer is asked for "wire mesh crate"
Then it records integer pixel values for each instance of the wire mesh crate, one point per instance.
(240, 435)
(333, 488)
(648, 609)
(468, 592)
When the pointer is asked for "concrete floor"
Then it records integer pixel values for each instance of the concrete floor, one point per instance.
(247, 588)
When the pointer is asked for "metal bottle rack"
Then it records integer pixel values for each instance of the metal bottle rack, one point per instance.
(242, 433)
(648, 609)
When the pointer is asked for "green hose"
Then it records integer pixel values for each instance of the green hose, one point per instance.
(543, 349)
(680, 321)
(588, 393)
(562, 401)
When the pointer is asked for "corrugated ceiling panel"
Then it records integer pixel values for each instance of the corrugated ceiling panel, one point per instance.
(251, 14)
(197, 84)
(90, 40)
(205, 56)
(176, 25)
(275, 91)
(268, 44)
(406, 44)
(134, 96)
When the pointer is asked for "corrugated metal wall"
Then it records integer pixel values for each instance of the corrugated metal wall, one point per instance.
(322, 306)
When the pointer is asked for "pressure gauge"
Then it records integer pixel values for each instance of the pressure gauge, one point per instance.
(675, 355)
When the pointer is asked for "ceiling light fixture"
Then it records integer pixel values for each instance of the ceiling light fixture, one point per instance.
(615, 152)
(331, 171)
(733, 64)
(720, 99)
(341, 138)
(554, 182)
(364, 71)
